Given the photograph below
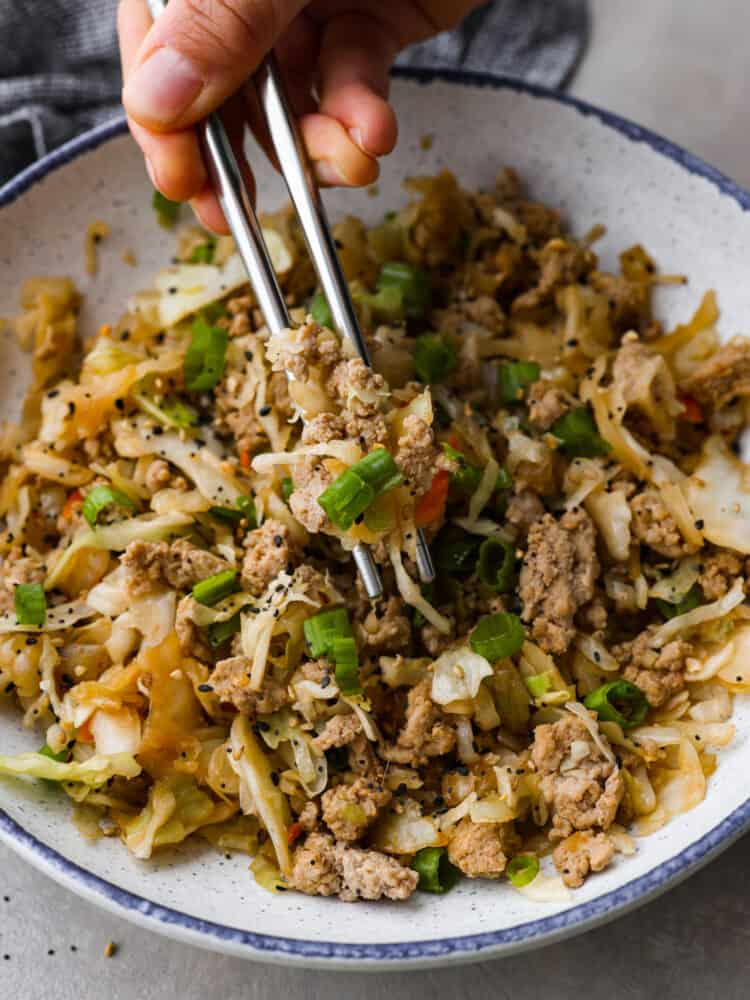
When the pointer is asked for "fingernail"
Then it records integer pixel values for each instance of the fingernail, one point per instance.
(329, 173)
(356, 135)
(162, 87)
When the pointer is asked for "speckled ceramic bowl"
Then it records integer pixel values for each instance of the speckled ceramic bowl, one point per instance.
(596, 168)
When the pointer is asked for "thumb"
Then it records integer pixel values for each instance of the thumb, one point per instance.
(197, 54)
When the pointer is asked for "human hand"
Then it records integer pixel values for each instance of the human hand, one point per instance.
(335, 56)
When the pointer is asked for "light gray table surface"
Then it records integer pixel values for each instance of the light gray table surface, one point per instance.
(678, 66)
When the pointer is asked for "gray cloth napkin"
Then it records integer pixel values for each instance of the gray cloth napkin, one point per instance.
(60, 74)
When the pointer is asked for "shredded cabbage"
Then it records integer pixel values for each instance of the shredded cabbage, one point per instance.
(258, 794)
(95, 771)
(457, 674)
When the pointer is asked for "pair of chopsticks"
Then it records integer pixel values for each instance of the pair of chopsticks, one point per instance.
(236, 204)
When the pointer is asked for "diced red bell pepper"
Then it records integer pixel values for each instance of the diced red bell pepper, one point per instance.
(75, 497)
(293, 833)
(693, 412)
(431, 504)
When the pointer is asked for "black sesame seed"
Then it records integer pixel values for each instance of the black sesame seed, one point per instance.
(264, 410)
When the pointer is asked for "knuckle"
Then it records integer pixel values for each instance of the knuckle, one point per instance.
(225, 32)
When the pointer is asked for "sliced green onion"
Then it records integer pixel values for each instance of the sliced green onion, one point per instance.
(30, 603)
(691, 600)
(522, 870)
(620, 702)
(515, 378)
(454, 551)
(434, 358)
(213, 311)
(166, 210)
(249, 512)
(62, 756)
(215, 588)
(354, 490)
(467, 477)
(498, 636)
(102, 497)
(179, 414)
(496, 564)
(386, 305)
(321, 311)
(538, 684)
(436, 873)
(219, 632)
(287, 488)
(206, 356)
(203, 253)
(322, 629)
(226, 514)
(578, 435)
(413, 284)
(343, 652)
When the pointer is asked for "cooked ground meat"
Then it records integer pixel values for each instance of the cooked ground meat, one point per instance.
(158, 475)
(435, 641)
(557, 577)
(386, 629)
(653, 525)
(177, 564)
(581, 787)
(323, 428)
(190, 637)
(311, 478)
(349, 810)
(524, 508)
(356, 387)
(230, 681)
(481, 850)
(722, 376)
(629, 301)
(339, 731)
(581, 853)
(425, 733)
(417, 455)
(560, 263)
(658, 672)
(324, 868)
(718, 573)
(268, 550)
(546, 404)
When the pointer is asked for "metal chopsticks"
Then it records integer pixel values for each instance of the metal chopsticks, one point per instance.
(243, 222)
(308, 204)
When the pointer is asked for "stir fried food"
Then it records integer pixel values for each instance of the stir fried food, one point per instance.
(181, 614)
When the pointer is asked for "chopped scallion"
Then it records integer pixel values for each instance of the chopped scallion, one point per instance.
(513, 379)
(206, 355)
(322, 629)
(467, 477)
(203, 253)
(343, 651)
(538, 684)
(61, 756)
(454, 551)
(219, 632)
(522, 870)
(30, 603)
(434, 358)
(321, 311)
(496, 564)
(498, 636)
(287, 488)
(691, 600)
(166, 211)
(413, 284)
(249, 511)
(354, 490)
(436, 873)
(215, 588)
(620, 702)
(578, 435)
(102, 497)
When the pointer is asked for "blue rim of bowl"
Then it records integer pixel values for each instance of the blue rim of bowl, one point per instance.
(526, 934)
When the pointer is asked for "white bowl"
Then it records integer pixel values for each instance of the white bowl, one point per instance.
(596, 168)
